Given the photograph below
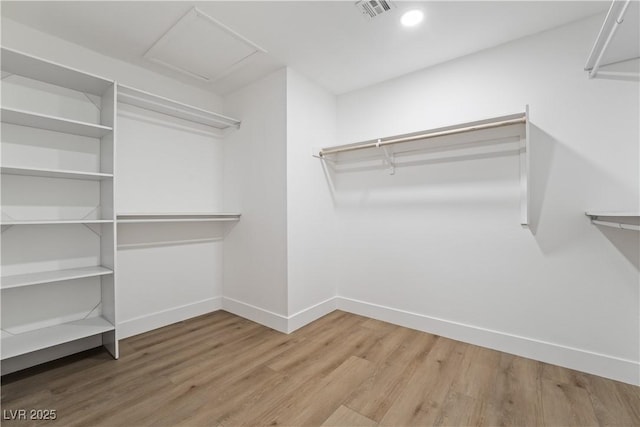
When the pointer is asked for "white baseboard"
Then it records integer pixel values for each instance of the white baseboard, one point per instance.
(280, 323)
(259, 315)
(308, 315)
(627, 371)
(162, 318)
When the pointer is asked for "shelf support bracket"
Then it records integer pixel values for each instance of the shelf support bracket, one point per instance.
(98, 106)
(388, 158)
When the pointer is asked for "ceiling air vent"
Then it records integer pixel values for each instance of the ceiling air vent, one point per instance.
(372, 8)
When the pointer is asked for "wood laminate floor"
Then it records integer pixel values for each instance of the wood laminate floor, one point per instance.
(342, 370)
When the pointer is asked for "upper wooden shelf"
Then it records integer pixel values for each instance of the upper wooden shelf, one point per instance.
(53, 123)
(15, 62)
(159, 104)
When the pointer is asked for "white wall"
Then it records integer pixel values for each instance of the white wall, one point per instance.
(255, 184)
(167, 271)
(311, 122)
(438, 246)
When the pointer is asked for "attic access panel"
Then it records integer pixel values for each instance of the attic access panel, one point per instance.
(201, 47)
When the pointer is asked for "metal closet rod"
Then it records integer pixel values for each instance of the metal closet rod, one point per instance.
(383, 142)
(616, 225)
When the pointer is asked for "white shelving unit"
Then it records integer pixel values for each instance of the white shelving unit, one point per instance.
(615, 219)
(176, 217)
(66, 183)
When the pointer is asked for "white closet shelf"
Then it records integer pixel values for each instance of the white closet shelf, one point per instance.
(54, 221)
(50, 72)
(625, 214)
(16, 345)
(159, 104)
(54, 173)
(611, 219)
(176, 217)
(29, 279)
(53, 123)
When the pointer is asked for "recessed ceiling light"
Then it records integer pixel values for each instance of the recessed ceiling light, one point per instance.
(412, 18)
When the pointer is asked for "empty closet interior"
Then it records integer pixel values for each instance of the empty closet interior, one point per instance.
(166, 160)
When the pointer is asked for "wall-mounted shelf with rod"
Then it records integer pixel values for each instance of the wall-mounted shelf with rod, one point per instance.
(614, 219)
(513, 128)
(618, 39)
(159, 104)
(56, 124)
(53, 173)
(129, 218)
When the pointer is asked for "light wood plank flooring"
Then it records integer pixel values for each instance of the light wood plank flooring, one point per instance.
(342, 370)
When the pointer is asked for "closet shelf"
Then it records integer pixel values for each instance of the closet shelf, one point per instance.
(176, 217)
(49, 72)
(54, 221)
(56, 124)
(497, 122)
(618, 39)
(29, 279)
(510, 130)
(159, 104)
(614, 219)
(54, 173)
(16, 345)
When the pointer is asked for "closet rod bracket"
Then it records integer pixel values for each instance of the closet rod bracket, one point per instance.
(388, 158)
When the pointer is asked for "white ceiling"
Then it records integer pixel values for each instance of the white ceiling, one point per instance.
(328, 41)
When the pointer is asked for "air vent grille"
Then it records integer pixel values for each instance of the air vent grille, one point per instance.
(372, 8)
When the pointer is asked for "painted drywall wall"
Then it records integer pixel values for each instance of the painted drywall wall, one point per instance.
(311, 122)
(255, 249)
(29, 40)
(438, 246)
(167, 271)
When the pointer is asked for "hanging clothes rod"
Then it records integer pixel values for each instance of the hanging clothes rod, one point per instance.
(427, 135)
(616, 225)
(593, 69)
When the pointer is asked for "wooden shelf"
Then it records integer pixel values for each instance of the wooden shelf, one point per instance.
(16, 345)
(20, 280)
(53, 173)
(56, 124)
(50, 72)
(176, 217)
(159, 104)
(55, 221)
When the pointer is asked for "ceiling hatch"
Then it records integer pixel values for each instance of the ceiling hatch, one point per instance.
(202, 47)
